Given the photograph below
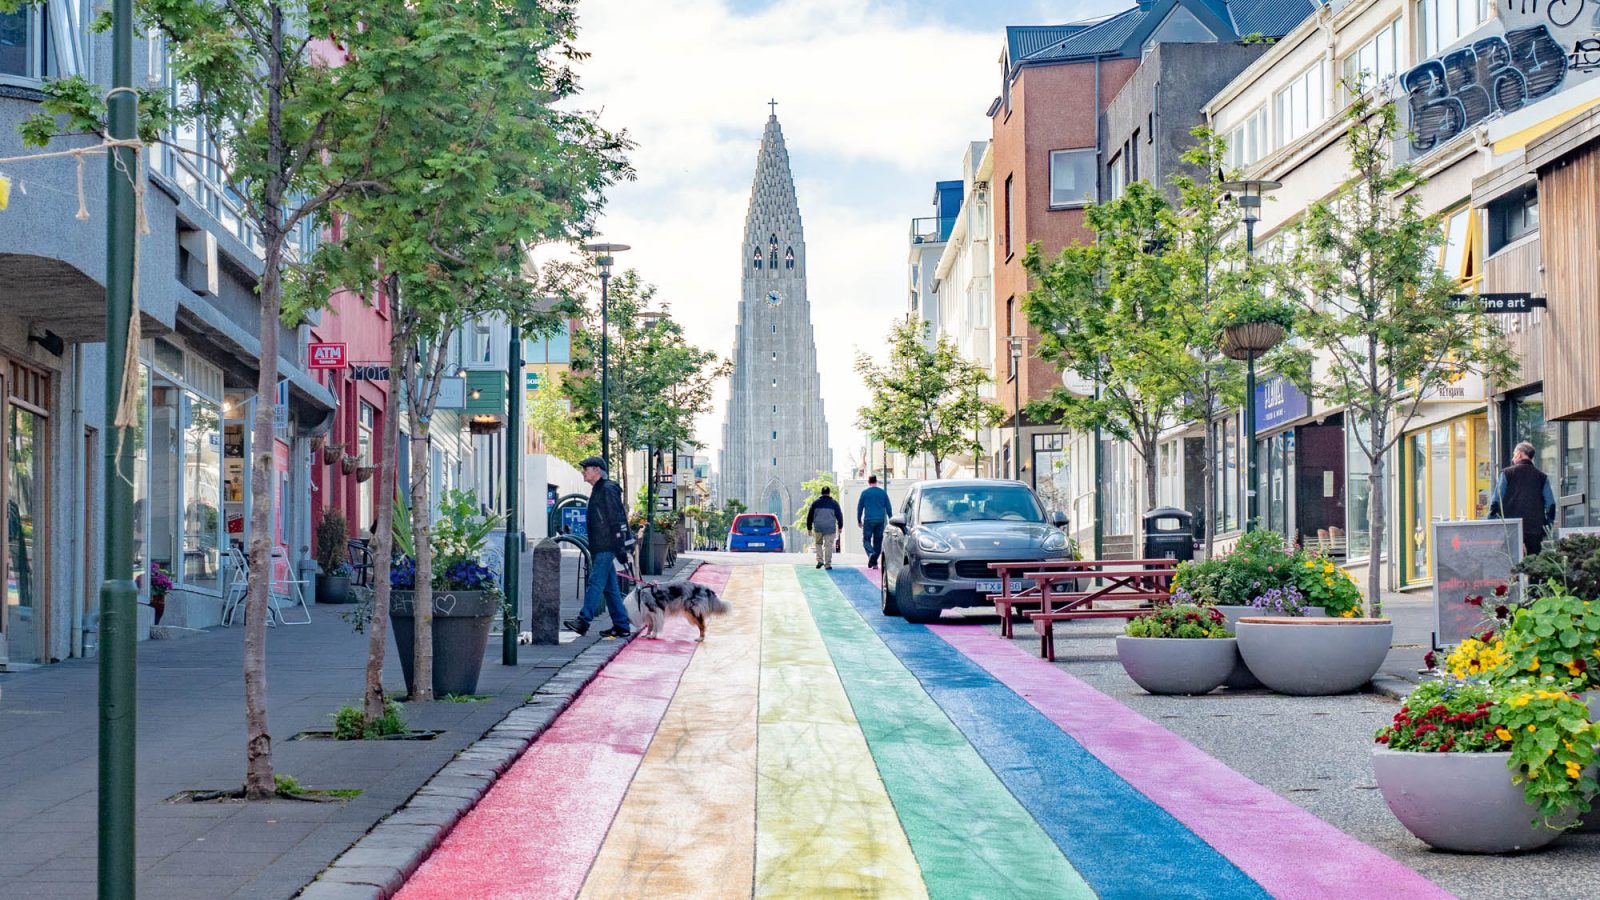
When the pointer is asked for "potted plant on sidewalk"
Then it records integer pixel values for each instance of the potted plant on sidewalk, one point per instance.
(1179, 648)
(333, 535)
(160, 585)
(466, 597)
(1477, 767)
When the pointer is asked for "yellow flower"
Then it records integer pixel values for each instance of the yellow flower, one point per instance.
(1532, 728)
(1327, 567)
(1310, 564)
(1328, 582)
(1534, 666)
(1502, 733)
(1521, 700)
(1574, 771)
(1348, 614)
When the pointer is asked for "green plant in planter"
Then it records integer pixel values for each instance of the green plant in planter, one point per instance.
(1570, 564)
(1557, 635)
(1179, 620)
(1252, 307)
(1258, 563)
(349, 723)
(1323, 583)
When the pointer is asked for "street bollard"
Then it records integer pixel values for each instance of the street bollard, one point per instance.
(544, 614)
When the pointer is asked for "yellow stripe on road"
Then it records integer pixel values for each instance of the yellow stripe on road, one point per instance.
(825, 826)
(687, 825)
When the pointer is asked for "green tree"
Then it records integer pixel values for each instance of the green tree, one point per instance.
(659, 382)
(560, 434)
(1111, 312)
(926, 399)
(1373, 303)
(813, 488)
(464, 171)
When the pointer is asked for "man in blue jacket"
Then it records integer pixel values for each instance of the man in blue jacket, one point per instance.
(872, 513)
(607, 522)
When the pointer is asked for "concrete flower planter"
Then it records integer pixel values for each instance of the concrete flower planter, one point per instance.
(461, 623)
(1459, 801)
(1177, 665)
(1313, 656)
(1240, 677)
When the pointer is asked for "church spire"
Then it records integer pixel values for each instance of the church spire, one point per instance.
(774, 211)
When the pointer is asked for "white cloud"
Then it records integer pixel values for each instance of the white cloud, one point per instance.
(876, 105)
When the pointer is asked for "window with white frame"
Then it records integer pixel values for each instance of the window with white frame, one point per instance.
(1071, 177)
(1373, 63)
(1300, 107)
(45, 40)
(1248, 141)
(1443, 22)
(1116, 180)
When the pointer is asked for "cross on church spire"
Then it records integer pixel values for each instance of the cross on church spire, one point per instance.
(773, 104)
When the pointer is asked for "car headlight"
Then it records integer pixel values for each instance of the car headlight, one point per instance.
(932, 543)
(1055, 541)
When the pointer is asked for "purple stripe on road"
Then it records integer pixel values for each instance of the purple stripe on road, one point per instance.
(1288, 851)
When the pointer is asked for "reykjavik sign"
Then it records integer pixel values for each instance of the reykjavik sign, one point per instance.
(1501, 73)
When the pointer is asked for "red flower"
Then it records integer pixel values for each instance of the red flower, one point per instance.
(1580, 665)
(1383, 739)
(1486, 638)
(1424, 729)
(1429, 659)
(1502, 612)
(1475, 600)
(1500, 590)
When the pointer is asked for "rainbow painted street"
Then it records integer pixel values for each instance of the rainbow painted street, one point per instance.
(813, 747)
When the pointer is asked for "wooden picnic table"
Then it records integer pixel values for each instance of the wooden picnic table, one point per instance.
(1140, 581)
(1020, 590)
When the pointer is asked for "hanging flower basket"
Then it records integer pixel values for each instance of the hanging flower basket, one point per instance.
(316, 443)
(1248, 339)
(331, 453)
(364, 473)
(349, 464)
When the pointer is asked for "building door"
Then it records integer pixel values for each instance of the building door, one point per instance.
(24, 488)
(1319, 486)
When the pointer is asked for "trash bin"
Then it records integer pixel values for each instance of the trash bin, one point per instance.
(1168, 534)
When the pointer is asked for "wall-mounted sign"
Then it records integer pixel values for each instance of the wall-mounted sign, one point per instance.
(324, 355)
(280, 410)
(1278, 401)
(1514, 302)
(369, 372)
(452, 393)
(1462, 387)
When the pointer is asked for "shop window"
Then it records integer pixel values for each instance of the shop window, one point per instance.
(1358, 493)
(1447, 475)
(202, 493)
(1227, 511)
(24, 620)
(366, 427)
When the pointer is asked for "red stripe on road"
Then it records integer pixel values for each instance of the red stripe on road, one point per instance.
(537, 831)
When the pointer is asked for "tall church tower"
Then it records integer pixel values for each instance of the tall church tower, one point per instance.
(775, 437)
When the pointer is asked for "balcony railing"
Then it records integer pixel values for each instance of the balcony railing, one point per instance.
(925, 230)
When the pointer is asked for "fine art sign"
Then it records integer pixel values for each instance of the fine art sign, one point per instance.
(1472, 559)
(1534, 48)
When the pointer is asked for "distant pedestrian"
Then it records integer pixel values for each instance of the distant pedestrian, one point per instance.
(824, 520)
(872, 513)
(1523, 492)
(607, 521)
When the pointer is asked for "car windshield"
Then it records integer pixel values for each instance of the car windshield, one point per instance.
(756, 525)
(981, 503)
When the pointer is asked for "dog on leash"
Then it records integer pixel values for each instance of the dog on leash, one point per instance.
(685, 598)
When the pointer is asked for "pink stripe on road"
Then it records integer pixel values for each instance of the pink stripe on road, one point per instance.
(1288, 851)
(537, 831)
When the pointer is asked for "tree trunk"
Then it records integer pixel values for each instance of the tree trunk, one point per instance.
(258, 781)
(421, 531)
(1151, 475)
(383, 536)
(1376, 508)
(938, 468)
(1208, 482)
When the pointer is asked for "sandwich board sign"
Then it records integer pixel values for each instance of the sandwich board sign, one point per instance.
(1472, 559)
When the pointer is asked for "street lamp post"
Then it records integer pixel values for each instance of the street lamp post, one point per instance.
(1016, 406)
(511, 626)
(1248, 340)
(605, 255)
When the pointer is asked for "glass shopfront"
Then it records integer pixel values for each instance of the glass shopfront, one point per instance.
(179, 478)
(1446, 475)
(24, 615)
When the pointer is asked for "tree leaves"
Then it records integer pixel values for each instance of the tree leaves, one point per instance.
(927, 399)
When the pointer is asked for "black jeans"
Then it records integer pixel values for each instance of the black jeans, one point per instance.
(872, 539)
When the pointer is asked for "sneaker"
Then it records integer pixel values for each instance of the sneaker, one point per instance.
(615, 632)
(578, 626)
(829, 568)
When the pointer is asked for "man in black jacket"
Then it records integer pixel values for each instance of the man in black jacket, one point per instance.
(607, 521)
(1523, 492)
(825, 520)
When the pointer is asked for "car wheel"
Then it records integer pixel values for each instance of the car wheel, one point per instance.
(908, 606)
(889, 605)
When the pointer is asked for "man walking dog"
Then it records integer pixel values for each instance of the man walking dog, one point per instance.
(872, 513)
(607, 521)
(823, 520)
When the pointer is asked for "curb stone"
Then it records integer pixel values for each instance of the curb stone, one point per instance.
(1391, 686)
(376, 866)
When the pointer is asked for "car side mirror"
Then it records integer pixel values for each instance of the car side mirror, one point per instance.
(1058, 519)
(898, 522)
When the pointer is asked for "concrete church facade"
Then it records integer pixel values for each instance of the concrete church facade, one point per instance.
(775, 437)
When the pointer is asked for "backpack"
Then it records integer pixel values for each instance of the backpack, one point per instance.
(824, 521)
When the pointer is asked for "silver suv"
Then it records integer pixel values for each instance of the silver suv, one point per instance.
(937, 550)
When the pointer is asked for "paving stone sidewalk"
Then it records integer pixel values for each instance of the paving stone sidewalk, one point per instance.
(191, 736)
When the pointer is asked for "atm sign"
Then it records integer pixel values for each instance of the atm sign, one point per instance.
(325, 356)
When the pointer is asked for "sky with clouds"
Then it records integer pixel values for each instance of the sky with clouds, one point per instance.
(877, 101)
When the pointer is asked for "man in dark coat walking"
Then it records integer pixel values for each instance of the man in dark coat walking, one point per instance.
(825, 520)
(607, 521)
(1523, 492)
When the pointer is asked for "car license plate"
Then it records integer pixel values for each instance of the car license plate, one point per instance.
(993, 587)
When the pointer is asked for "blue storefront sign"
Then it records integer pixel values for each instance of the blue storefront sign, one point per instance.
(1279, 401)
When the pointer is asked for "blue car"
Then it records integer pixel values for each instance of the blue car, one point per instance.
(755, 533)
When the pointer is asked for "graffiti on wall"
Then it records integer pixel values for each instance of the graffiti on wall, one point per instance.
(1501, 73)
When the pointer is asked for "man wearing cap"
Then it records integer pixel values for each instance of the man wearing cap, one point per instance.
(607, 520)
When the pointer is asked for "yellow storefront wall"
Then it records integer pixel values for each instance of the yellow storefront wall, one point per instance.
(1446, 474)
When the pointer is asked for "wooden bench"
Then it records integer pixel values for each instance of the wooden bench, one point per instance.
(1138, 581)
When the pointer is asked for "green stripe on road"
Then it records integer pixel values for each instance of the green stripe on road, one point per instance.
(970, 836)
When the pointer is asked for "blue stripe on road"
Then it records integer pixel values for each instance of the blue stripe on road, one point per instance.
(1122, 843)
